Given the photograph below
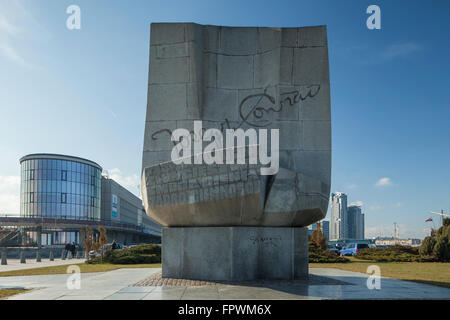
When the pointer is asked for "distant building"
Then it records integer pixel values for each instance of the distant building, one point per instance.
(391, 241)
(346, 222)
(355, 222)
(338, 220)
(326, 228)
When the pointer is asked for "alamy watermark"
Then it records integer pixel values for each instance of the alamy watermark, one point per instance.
(73, 22)
(73, 282)
(190, 146)
(374, 280)
(374, 20)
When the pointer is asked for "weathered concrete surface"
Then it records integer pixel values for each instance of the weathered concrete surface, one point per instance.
(232, 77)
(235, 253)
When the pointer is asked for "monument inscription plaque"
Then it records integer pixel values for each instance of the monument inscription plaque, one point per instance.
(227, 221)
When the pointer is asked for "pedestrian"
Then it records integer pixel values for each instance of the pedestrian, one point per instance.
(114, 245)
(73, 249)
(66, 249)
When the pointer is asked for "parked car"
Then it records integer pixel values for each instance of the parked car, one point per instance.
(353, 248)
(334, 249)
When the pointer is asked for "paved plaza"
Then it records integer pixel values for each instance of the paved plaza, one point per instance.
(132, 284)
(14, 264)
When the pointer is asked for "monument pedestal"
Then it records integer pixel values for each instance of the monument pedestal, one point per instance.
(235, 253)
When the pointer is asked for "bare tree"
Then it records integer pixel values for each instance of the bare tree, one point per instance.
(102, 240)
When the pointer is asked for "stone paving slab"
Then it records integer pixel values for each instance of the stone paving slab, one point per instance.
(156, 279)
(325, 283)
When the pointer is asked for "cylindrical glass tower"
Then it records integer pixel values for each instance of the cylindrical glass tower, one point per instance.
(60, 186)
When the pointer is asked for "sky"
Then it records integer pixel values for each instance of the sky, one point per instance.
(84, 93)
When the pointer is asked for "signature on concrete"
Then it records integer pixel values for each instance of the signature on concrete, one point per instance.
(261, 104)
(254, 109)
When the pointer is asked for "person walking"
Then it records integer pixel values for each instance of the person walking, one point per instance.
(66, 249)
(73, 249)
(114, 245)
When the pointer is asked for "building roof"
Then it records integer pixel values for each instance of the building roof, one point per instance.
(59, 157)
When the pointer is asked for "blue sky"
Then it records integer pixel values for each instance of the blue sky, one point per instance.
(83, 92)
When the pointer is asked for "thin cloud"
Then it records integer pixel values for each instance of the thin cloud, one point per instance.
(9, 52)
(358, 203)
(12, 15)
(9, 195)
(383, 182)
(8, 28)
(130, 182)
(375, 207)
(401, 50)
(399, 205)
(352, 186)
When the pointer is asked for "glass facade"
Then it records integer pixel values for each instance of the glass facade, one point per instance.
(60, 187)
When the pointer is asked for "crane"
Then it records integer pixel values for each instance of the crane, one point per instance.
(442, 214)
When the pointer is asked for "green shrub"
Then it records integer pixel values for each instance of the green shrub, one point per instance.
(319, 255)
(142, 254)
(426, 248)
(392, 254)
(438, 247)
(442, 248)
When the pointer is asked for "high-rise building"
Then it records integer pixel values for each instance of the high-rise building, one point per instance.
(347, 222)
(355, 222)
(338, 219)
(326, 228)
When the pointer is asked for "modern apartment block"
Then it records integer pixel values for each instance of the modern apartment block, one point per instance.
(346, 222)
(355, 225)
(338, 219)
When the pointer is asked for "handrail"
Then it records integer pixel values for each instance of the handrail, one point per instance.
(66, 220)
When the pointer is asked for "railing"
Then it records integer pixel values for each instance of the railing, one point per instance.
(14, 218)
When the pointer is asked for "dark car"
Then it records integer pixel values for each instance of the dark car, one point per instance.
(334, 249)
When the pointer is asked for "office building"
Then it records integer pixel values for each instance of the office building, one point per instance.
(60, 195)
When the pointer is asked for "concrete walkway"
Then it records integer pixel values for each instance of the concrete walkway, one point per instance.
(14, 264)
(117, 285)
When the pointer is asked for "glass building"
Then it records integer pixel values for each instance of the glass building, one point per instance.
(71, 194)
(60, 186)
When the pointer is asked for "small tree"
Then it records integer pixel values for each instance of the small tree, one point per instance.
(438, 244)
(426, 248)
(89, 242)
(318, 237)
(442, 247)
(102, 239)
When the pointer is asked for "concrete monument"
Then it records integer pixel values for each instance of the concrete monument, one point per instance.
(228, 221)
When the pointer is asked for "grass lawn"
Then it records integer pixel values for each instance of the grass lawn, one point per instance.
(434, 273)
(5, 293)
(84, 267)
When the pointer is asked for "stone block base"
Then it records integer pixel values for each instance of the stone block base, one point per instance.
(235, 253)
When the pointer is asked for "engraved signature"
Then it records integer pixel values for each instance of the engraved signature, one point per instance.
(255, 108)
